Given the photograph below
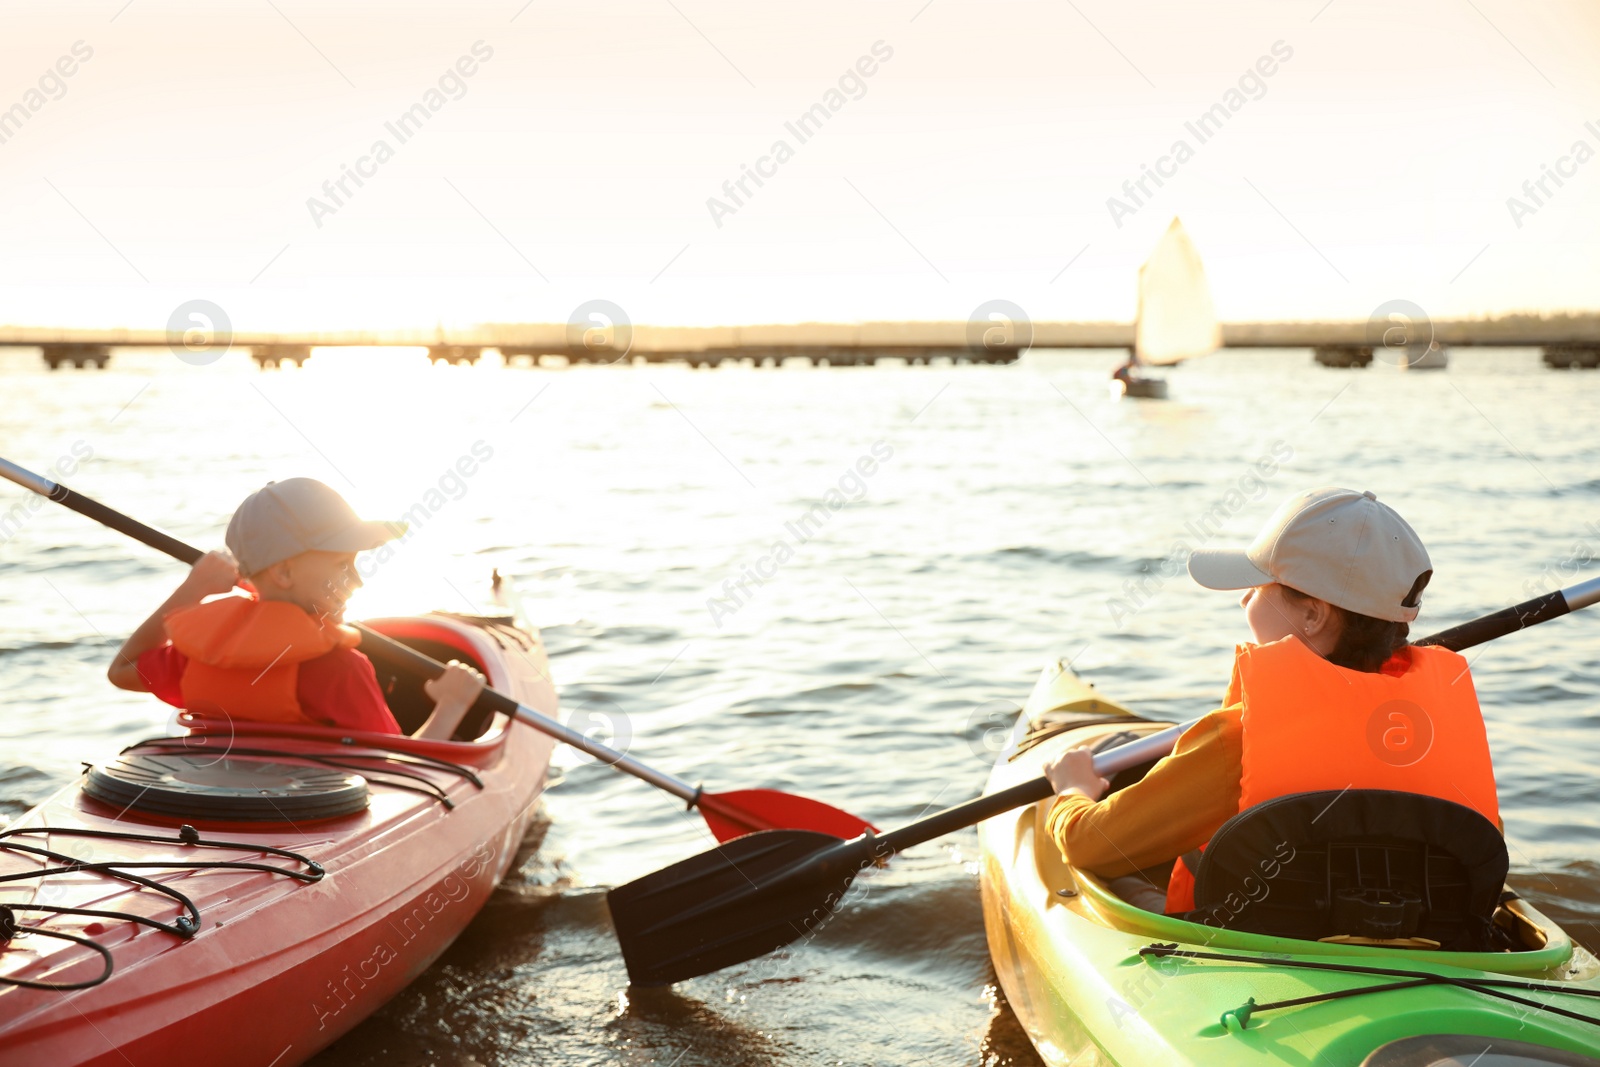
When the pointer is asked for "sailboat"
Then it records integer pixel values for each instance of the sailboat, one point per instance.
(1176, 318)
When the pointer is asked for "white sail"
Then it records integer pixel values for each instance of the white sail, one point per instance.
(1177, 320)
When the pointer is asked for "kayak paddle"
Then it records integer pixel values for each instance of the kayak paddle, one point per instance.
(756, 894)
(761, 892)
(729, 815)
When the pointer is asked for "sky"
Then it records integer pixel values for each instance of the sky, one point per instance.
(1360, 152)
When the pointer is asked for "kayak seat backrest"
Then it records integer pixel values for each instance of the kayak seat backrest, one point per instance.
(1360, 863)
(402, 687)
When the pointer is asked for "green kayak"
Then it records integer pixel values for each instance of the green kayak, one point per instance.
(1096, 980)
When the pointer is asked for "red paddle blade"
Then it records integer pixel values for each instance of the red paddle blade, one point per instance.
(745, 811)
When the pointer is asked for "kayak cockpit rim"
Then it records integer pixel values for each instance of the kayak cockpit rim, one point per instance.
(472, 645)
(224, 730)
(1072, 887)
(1553, 960)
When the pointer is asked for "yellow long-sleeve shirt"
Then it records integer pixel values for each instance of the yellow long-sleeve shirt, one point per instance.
(1175, 808)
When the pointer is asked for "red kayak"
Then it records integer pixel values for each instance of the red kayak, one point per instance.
(247, 893)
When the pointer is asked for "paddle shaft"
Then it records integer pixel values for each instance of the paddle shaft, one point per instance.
(1518, 617)
(1106, 764)
(386, 647)
(496, 701)
(100, 513)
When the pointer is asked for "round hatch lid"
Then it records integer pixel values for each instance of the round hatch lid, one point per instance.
(232, 788)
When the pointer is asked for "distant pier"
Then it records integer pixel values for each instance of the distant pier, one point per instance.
(1566, 341)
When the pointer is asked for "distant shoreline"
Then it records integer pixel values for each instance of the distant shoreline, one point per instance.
(559, 338)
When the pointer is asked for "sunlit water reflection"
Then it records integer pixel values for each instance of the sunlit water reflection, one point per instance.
(992, 518)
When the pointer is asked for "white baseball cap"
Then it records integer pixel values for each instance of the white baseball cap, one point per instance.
(1337, 545)
(298, 515)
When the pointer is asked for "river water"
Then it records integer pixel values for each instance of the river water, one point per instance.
(990, 519)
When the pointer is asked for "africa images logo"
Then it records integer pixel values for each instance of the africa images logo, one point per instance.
(1399, 733)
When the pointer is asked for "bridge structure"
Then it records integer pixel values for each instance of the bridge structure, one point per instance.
(1565, 340)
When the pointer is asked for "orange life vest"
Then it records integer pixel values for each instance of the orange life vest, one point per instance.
(1413, 727)
(245, 654)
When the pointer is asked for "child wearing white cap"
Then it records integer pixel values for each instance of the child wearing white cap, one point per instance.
(1328, 696)
(276, 649)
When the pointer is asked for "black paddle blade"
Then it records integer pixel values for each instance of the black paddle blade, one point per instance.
(736, 902)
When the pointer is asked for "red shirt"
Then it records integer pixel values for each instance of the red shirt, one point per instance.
(337, 689)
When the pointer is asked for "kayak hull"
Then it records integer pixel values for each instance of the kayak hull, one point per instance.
(1066, 951)
(280, 968)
